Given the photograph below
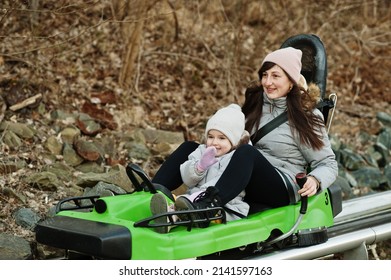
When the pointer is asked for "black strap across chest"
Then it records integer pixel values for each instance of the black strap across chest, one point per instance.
(283, 117)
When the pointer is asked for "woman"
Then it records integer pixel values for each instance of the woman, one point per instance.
(267, 169)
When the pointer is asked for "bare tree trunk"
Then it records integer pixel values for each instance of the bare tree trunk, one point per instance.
(34, 15)
(118, 8)
(133, 13)
(131, 51)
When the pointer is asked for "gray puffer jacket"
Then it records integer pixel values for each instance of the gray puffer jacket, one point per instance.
(285, 152)
(201, 181)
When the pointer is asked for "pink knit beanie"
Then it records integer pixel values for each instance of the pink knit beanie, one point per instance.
(288, 59)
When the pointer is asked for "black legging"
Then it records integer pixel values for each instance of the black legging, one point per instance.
(169, 174)
(248, 169)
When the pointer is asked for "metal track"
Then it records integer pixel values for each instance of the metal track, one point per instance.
(363, 221)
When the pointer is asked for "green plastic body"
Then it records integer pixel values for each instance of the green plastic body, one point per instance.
(179, 243)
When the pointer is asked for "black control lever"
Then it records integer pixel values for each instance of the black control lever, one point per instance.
(301, 178)
(132, 168)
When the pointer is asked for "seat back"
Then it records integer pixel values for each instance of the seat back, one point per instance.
(314, 65)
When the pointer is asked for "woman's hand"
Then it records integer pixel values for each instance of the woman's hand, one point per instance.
(310, 187)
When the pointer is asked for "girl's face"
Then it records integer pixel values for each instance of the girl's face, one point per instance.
(219, 141)
(275, 82)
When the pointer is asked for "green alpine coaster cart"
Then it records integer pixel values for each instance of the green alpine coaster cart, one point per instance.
(123, 227)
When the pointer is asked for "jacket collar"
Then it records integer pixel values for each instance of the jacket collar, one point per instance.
(277, 103)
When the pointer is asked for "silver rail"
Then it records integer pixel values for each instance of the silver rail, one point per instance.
(363, 221)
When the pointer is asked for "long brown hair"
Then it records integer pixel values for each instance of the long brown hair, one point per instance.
(304, 122)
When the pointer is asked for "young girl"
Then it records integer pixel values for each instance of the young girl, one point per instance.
(224, 133)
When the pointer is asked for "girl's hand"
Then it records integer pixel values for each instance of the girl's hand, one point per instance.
(208, 158)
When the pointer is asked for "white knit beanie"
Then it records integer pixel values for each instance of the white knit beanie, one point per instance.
(228, 120)
(288, 59)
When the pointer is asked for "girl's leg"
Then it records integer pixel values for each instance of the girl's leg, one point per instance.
(169, 174)
(249, 170)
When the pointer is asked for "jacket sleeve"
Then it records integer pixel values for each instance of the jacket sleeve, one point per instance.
(322, 163)
(190, 176)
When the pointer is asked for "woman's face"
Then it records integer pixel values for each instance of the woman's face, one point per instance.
(275, 82)
(219, 141)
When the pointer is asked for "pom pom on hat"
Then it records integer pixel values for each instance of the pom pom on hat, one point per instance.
(288, 59)
(228, 120)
